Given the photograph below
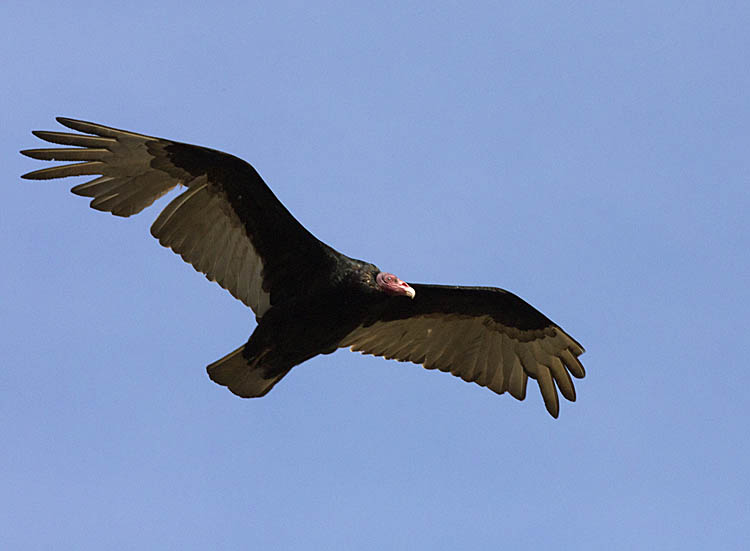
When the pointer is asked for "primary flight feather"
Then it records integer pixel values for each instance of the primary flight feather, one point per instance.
(308, 298)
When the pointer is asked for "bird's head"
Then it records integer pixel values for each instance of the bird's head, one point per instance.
(392, 285)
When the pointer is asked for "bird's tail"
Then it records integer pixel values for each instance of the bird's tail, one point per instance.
(245, 377)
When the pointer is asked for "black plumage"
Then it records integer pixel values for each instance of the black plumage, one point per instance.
(308, 298)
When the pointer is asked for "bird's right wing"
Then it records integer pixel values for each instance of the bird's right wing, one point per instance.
(227, 223)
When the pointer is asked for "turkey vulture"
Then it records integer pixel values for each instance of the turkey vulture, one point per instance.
(308, 298)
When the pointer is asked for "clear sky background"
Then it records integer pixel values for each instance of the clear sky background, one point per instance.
(592, 157)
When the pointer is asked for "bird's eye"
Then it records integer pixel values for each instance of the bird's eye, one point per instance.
(389, 279)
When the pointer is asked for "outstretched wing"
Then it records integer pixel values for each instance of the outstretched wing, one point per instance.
(227, 223)
(483, 335)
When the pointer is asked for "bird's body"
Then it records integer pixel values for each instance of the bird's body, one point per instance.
(308, 298)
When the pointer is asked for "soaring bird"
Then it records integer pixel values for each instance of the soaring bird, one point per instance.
(308, 298)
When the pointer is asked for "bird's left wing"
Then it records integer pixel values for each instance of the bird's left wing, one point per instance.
(483, 335)
(227, 223)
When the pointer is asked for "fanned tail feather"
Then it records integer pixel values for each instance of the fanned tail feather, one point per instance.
(245, 378)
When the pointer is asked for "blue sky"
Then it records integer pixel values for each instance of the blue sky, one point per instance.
(594, 158)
